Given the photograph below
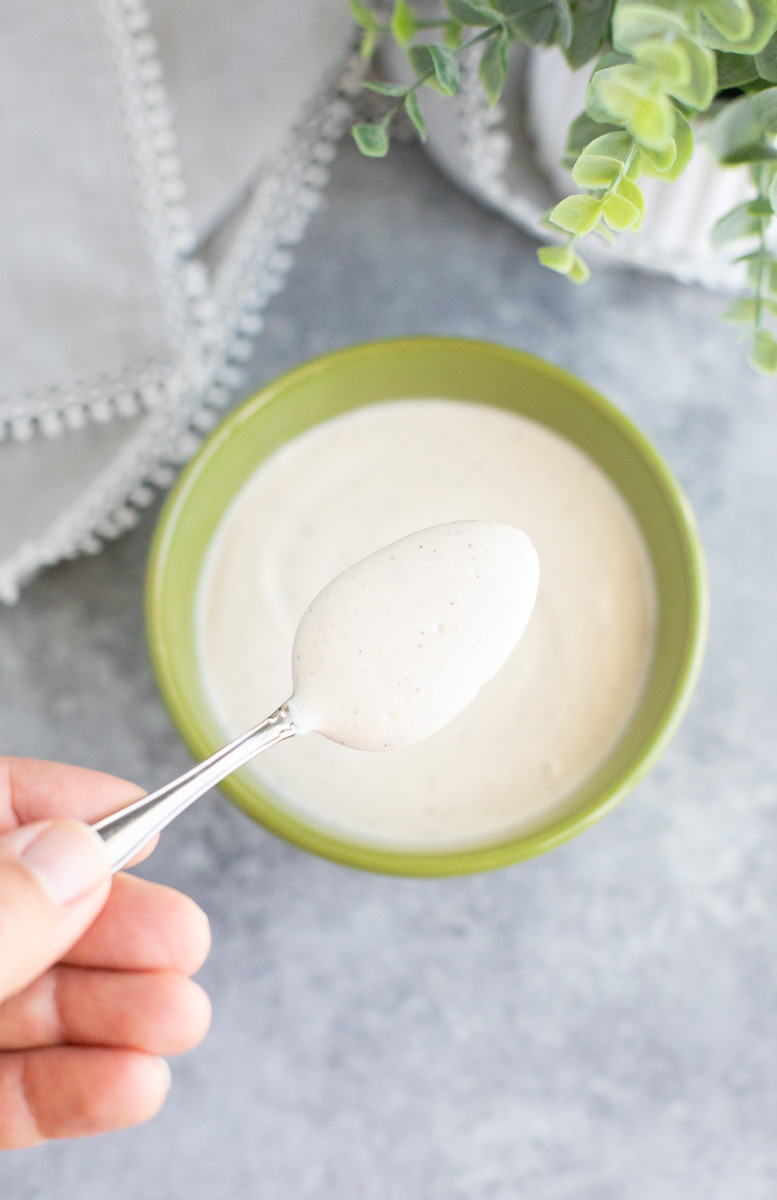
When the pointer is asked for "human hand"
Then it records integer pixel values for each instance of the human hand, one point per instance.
(79, 1040)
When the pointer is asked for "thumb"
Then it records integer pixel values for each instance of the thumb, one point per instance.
(54, 879)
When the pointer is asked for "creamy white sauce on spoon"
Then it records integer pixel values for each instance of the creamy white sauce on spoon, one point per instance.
(400, 643)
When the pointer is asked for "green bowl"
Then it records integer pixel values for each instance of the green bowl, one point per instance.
(442, 368)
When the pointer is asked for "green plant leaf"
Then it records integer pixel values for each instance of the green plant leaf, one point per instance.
(577, 214)
(404, 24)
(496, 12)
(668, 59)
(441, 61)
(619, 213)
(630, 94)
(616, 148)
(492, 69)
(764, 28)
(652, 124)
(590, 28)
(596, 171)
(761, 175)
(699, 90)
(677, 155)
(738, 134)
(732, 18)
(733, 129)
(769, 279)
(756, 257)
(509, 10)
(472, 14)
(763, 354)
(384, 89)
(413, 110)
(629, 190)
(446, 69)
(766, 62)
(741, 312)
(582, 133)
(534, 22)
(683, 138)
(763, 152)
(451, 35)
(580, 272)
(611, 95)
(421, 61)
(363, 15)
(763, 106)
(735, 70)
(372, 140)
(670, 164)
(739, 223)
(557, 258)
(612, 145)
(658, 162)
(611, 58)
(564, 19)
(636, 22)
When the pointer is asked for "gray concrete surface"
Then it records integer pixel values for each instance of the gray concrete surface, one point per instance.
(598, 1024)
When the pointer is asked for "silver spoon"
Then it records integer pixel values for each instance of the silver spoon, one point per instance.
(340, 673)
(127, 831)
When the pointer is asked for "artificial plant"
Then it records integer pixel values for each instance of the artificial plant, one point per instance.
(657, 66)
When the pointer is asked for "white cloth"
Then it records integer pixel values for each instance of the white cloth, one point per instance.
(130, 134)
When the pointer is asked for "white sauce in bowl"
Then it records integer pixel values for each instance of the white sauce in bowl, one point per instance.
(551, 715)
(399, 644)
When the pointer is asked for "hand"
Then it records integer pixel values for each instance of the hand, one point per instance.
(79, 1040)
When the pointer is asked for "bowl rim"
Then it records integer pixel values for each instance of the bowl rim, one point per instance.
(455, 860)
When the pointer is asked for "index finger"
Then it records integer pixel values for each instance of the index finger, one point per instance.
(33, 790)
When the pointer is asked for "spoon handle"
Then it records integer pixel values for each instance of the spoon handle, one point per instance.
(127, 831)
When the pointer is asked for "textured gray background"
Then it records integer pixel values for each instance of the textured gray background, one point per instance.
(597, 1024)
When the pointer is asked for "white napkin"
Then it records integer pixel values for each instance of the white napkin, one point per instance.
(130, 134)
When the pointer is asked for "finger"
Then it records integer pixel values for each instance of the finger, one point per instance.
(54, 879)
(160, 1012)
(144, 926)
(33, 790)
(143, 854)
(72, 1091)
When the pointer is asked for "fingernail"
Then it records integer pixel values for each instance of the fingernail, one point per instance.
(68, 858)
(168, 1074)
